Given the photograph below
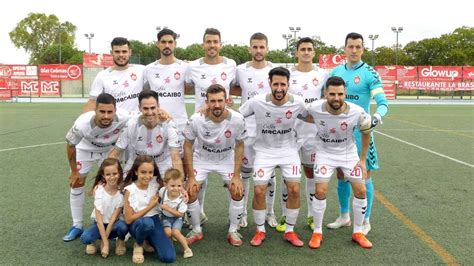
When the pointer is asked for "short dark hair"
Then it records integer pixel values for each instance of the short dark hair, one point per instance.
(105, 98)
(164, 32)
(335, 81)
(119, 41)
(259, 36)
(354, 36)
(145, 94)
(216, 88)
(211, 31)
(279, 71)
(304, 40)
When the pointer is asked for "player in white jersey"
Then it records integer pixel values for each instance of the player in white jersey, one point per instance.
(166, 76)
(252, 79)
(203, 72)
(124, 81)
(306, 81)
(275, 146)
(219, 146)
(336, 148)
(210, 69)
(146, 134)
(89, 141)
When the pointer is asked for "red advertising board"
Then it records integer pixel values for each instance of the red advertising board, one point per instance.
(18, 72)
(97, 60)
(60, 72)
(331, 60)
(387, 72)
(39, 88)
(406, 73)
(439, 73)
(468, 73)
(436, 85)
(389, 90)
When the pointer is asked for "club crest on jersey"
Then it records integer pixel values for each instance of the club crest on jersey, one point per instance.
(344, 126)
(260, 172)
(323, 170)
(223, 76)
(78, 166)
(228, 133)
(260, 85)
(177, 75)
(159, 139)
(289, 114)
(315, 82)
(356, 79)
(116, 131)
(245, 160)
(133, 76)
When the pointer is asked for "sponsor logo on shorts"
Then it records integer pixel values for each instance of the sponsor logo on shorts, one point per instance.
(245, 160)
(260, 172)
(323, 170)
(78, 165)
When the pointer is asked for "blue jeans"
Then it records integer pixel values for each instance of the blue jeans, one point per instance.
(151, 229)
(90, 235)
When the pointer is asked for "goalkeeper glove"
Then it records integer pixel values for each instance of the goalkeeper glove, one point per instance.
(376, 119)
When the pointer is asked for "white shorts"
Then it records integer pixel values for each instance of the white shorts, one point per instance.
(325, 167)
(308, 152)
(85, 160)
(202, 169)
(249, 155)
(265, 164)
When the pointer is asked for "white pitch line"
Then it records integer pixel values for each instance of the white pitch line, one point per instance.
(425, 149)
(32, 146)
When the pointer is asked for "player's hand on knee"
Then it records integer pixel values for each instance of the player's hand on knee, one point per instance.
(75, 180)
(193, 188)
(236, 187)
(376, 119)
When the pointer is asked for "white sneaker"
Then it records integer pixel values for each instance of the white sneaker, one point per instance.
(243, 221)
(271, 220)
(340, 222)
(366, 228)
(188, 253)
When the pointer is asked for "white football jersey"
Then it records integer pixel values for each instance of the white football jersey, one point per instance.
(253, 82)
(168, 82)
(137, 139)
(335, 136)
(124, 85)
(202, 75)
(215, 142)
(87, 136)
(275, 124)
(308, 85)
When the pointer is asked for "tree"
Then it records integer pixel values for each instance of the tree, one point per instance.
(278, 56)
(143, 53)
(239, 53)
(69, 55)
(38, 31)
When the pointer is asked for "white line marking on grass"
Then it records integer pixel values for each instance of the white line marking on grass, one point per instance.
(32, 146)
(425, 149)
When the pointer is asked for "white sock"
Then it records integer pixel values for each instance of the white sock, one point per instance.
(318, 209)
(259, 218)
(359, 207)
(284, 198)
(76, 200)
(202, 195)
(246, 184)
(310, 191)
(194, 210)
(270, 196)
(366, 220)
(291, 217)
(235, 213)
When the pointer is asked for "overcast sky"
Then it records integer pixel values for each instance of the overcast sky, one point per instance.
(237, 20)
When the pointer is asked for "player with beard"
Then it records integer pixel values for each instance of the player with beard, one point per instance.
(89, 141)
(251, 80)
(336, 121)
(123, 81)
(205, 71)
(275, 146)
(218, 140)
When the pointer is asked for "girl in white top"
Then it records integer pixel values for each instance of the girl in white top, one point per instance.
(108, 204)
(173, 207)
(141, 211)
